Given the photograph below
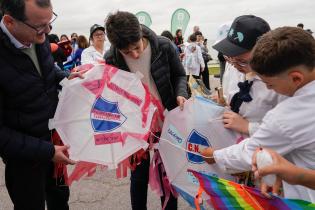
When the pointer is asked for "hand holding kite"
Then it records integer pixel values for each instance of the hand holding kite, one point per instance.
(284, 170)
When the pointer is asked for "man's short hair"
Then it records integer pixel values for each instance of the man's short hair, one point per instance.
(281, 49)
(123, 29)
(16, 8)
(301, 25)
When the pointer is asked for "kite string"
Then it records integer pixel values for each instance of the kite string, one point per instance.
(177, 146)
(183, 149)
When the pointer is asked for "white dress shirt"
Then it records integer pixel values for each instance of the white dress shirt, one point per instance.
(263, 98)
(289, 130)
(231, 78)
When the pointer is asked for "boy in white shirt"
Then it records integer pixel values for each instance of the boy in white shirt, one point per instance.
(285, 60)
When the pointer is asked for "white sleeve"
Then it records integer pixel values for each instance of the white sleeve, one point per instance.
(238, 158)
(253, 127)
(86, 57)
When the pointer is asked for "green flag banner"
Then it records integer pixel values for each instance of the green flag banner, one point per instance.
(180, 20)
(144, 18)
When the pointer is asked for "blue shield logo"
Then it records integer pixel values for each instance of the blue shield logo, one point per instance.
(195, 143)
(106, 116)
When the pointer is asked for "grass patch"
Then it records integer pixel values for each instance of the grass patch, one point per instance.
(214, 70)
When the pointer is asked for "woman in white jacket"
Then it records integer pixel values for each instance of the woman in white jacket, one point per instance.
(95, 53)
(193, 61)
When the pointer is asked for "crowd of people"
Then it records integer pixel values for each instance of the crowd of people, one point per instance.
(268, 88)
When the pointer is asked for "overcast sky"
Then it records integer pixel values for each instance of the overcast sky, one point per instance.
(79, 15)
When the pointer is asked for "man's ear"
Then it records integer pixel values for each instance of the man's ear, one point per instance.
(8, 21)
(297, 77)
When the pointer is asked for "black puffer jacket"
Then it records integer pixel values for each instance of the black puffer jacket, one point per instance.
(27, 102)
(166, 69)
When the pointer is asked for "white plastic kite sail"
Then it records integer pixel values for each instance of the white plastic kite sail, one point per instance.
(105, 117)
(198, 126)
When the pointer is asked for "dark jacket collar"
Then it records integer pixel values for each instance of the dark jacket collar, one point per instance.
(117, 58)
(6, 43)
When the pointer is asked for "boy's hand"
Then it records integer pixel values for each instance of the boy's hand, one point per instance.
(208, 152)
(235, 122)
(281, 167)
(180, 102)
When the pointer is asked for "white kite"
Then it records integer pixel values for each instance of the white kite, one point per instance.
(184, 134)
(105, 117)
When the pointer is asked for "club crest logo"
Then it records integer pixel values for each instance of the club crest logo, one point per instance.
(106, 116)
(195, 143)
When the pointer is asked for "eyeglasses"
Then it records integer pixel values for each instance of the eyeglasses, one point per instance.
(235, 61)
(41, 29)
(99, 34)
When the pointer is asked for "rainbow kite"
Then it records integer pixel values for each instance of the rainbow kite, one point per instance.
(226, 194)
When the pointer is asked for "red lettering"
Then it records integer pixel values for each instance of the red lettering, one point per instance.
(196, 148)
(190, 147)
(125, 94)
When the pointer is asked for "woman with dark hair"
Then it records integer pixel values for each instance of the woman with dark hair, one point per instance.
(169, 35)
(179, 40)
(82, 44)
(64, 37)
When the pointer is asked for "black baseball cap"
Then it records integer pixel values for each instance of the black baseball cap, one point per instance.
(96, 27)
(242, 36)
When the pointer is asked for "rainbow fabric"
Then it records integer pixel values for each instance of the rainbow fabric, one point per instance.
(229, 195)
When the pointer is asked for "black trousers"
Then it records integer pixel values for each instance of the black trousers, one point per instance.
(222, 70)
(139, 188)
(205, 76)
(31, 184)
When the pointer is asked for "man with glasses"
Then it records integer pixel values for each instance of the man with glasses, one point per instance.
(28, 99)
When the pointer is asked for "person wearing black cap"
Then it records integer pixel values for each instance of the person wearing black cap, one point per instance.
(96, 52)
(250, 100)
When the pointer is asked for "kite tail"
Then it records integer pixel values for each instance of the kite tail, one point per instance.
(82, 168)
(60, 169)
(158, 179)
(154, 181)
(121, 171)
(198, 199)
